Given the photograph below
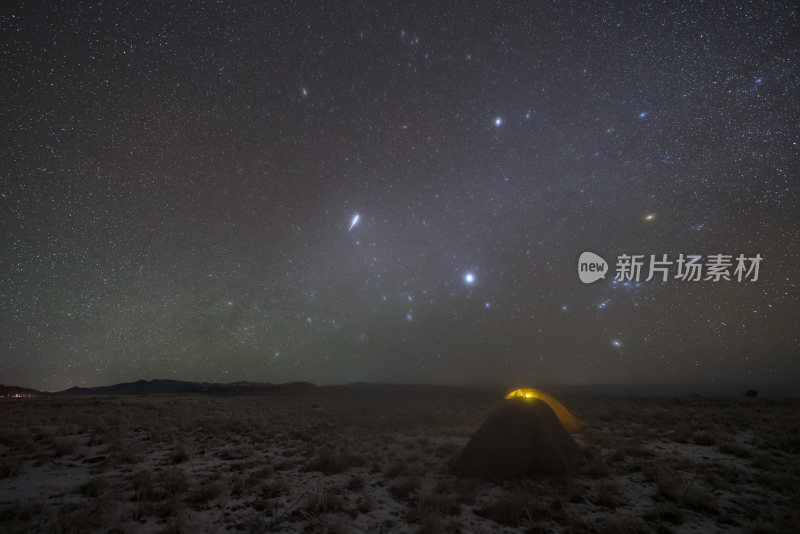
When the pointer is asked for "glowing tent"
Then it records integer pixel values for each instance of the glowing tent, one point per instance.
(571, 424)
(521, 437)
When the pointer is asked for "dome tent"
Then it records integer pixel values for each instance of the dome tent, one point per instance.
(522, 437)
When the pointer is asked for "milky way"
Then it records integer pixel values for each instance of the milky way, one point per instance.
(179, 188)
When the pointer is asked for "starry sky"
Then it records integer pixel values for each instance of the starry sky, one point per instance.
(395, 191)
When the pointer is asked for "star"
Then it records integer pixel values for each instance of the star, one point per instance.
(469, 278)
(498, 121)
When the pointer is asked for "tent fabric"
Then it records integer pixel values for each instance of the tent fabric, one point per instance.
(571, 424)
(522, 437)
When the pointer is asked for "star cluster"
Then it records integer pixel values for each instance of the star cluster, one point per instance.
(395, 192)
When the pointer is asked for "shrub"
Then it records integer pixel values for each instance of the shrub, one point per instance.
(332, 462)
(65, 445)
(10, 465)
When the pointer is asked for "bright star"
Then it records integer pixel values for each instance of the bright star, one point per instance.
(487, 304)
(469, 278)
(498, 121)
(353, 222)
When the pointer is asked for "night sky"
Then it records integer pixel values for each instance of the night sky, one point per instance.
(179, 186)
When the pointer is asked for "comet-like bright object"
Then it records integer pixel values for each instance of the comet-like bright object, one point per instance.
(353, 222)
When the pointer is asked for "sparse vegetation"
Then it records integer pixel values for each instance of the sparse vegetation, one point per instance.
(357, 463)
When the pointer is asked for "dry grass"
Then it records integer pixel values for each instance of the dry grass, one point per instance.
(334, 462)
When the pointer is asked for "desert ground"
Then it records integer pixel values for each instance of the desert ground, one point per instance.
(328, 460)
